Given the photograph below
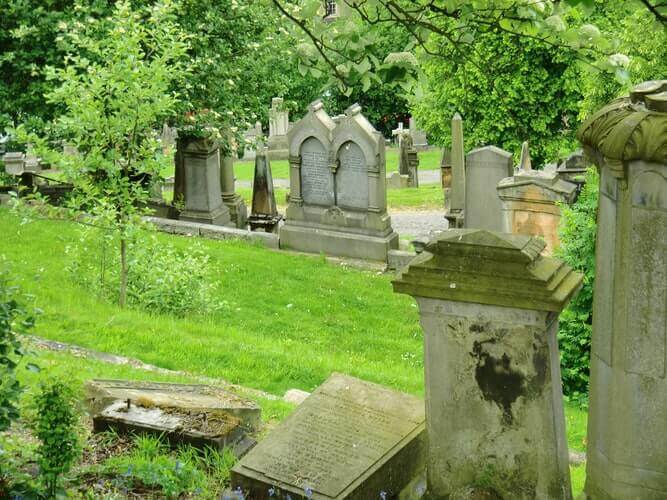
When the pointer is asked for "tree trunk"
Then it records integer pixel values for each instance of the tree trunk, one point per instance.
(123, 272)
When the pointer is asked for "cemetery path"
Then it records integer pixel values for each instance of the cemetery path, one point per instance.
(425, 177)
(416, 224)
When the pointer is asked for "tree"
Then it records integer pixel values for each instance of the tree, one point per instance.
(116, 91)
(509, 89)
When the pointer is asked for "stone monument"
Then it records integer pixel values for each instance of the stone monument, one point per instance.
(337, 203)
(531, 204)
(350, 439)
(457, 192)
(238, 212)
(417, 135)
(489, 305)
(485, 168)
(278, 128)
(250, 141)
(408, 163)
(525, 163)
(264, 214)
(446, 176)
(627, 422)
(197, 182)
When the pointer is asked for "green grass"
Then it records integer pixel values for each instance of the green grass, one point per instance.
(428, 160)
(289, 322)
(427, 197)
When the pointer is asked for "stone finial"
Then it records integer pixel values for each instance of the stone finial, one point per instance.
(525, 162)
(353, 110)
(508, 271)
(630, 128)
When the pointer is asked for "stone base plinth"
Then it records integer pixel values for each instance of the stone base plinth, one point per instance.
(218, 217)
(238, 212)
(337, 242)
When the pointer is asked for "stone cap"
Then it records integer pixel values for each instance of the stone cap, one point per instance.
(630, 128)
(551, 187)
(486, 267)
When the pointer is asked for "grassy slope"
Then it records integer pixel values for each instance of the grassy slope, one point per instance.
(290, 320)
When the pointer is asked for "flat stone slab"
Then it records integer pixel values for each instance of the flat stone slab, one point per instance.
(349, 439)
(188, 397)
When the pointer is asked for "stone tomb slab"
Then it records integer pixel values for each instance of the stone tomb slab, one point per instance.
(201, 415)
(349, 439)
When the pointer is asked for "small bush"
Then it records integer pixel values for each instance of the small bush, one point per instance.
(161, 278)
(55, 425)
(577, 238)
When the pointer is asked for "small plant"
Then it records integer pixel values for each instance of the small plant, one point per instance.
(160, 277)
(55, 426)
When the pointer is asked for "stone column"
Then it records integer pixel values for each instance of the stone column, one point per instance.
(489, 305)
(234, 202)
(627, 422)
(457, 192)
(264, 215)
(198, 182)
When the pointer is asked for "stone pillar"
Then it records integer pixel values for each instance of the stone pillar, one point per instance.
(238, 212)
(198, 182)
(457, 192)
(489, 305)
(446, 176)
(627, 422)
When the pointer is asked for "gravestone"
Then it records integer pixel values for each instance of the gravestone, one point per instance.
(531, 202)
(238, 212)
(408, 161)
(252, 135)
(168, 138)
(446, 176)
(398, 133)
(337, 202)
(485, 168)
(264, 214)
(525, 163)
(418, 136)
(455, 213)
(627, 423)
(349, 439)
(278, 128)
(489, 305)
(200, 415)
(197, 182)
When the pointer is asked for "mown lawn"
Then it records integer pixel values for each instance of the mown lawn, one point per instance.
(428, 160)
(289, 320)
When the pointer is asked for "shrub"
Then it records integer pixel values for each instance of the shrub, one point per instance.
(55, 426)
(577, 237)
(161, 278)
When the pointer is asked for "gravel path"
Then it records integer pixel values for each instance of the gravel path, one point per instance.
(417, 224)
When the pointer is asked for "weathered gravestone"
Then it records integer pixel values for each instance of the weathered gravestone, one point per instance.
(408, 162)
(197, 182)
(264, 214)
(349, 439)
(250, 138)
(489, 307)
(627, 422)
(417, 135)
(531, 202)
(278, 128)
(200, 415)
(485, 168)
(337, 203)
(455, 214)
(238, 212)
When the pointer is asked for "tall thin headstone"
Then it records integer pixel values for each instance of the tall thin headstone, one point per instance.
(489, 305)
(627, 420)
(457, 193)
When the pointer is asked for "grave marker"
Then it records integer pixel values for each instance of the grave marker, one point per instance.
(349, 439)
